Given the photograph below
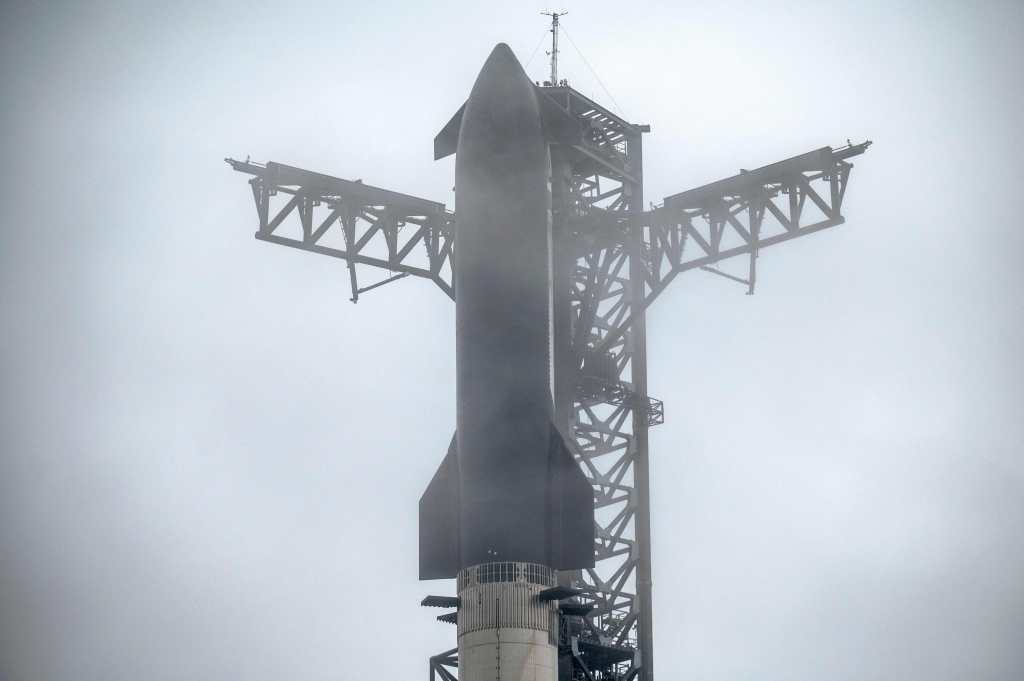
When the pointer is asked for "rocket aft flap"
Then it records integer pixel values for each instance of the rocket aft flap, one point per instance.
(509, 489)
(564, 539)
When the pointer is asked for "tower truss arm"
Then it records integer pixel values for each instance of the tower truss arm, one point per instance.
(355, 222)
(746, 212)
(736, 216)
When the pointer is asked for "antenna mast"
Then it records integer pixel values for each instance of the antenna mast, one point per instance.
(554, 44)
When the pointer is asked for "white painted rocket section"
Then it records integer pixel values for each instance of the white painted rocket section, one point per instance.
(507, 654)
(506, 633)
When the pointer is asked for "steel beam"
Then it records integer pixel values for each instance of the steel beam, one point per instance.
(354, 222)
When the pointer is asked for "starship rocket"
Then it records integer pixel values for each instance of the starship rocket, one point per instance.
(509, 506)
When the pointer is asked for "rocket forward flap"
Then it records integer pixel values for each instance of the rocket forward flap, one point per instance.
(447, 141)
(570, 509)
(439, 520)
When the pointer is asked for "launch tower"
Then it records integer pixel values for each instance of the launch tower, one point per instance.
(608, 258)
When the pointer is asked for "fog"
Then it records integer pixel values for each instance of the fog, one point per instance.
(210, 460)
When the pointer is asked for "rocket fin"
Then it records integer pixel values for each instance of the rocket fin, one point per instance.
(447, 141)
(571, 501)
(439, 520)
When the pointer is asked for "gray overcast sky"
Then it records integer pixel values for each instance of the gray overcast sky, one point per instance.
(211, 460)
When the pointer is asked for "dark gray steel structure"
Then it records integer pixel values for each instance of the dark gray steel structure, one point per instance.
(610, 259)
(509, 488)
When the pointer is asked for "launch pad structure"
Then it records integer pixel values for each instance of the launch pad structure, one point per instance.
(611, 259)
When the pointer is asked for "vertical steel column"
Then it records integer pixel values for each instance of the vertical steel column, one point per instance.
(563, 364)
(641, 470)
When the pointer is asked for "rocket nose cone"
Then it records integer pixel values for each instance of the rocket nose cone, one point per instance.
(502, 110)
(502, 49)
(502, 62)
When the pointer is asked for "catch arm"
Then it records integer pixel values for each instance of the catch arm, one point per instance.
(739, 215)
(356, 222)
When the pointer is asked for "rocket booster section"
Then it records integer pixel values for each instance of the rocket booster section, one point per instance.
(509, 489)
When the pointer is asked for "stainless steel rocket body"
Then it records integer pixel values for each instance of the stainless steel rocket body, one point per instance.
(509, 505)
(503, 298)
(509, 488)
